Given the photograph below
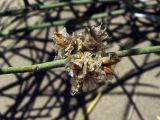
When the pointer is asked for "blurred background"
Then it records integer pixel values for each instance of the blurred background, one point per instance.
(26, 28)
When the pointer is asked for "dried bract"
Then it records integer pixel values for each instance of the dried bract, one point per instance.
(84, 57)
(64, 43)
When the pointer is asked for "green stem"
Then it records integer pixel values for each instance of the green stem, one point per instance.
(73, 20)
(63, 4)
(61, 63)
(32, 68)
(62, 22)
(50, 6)
(16, 41)
(138, 51)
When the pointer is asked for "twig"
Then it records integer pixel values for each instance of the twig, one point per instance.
(32, 68)
(62, 22)
(61, 63)
(68, 20)
(53, 5)
(93, 104)
(138, 51)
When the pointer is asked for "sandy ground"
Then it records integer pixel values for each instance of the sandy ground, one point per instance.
(46, 95)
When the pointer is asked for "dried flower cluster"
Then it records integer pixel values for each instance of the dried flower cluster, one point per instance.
(84, 54)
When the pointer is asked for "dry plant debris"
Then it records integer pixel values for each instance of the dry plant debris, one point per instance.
(87, 61)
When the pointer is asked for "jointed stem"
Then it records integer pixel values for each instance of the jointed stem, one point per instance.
(61, 63)
(53, 5)
(138, 51)
(62, 22)
(68, 21)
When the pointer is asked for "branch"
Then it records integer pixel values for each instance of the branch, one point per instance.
(138, 51)
(33, 68)
(34, 7)
(53, 5)
(61, 63)
(62, 22)
(72, 20)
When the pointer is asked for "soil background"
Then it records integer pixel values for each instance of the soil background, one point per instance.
(45, 95)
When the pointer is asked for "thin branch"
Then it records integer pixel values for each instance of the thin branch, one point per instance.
(32, 68)
(72, 20)
(138, 51)
(34, 7)
(53, 5)
(61, 63)
(62, 22)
